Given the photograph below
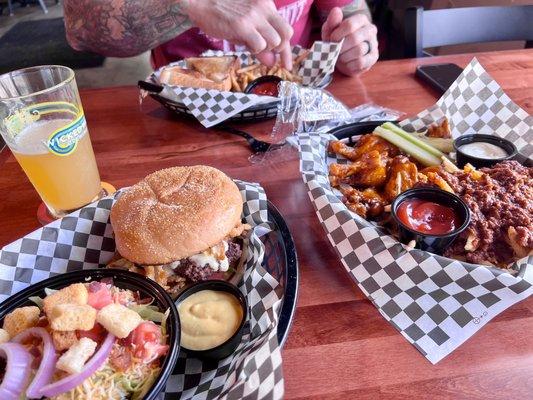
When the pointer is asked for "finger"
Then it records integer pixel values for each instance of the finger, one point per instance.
(333, 21)
(349, 25)
(361, 64)
(357, 50)
(286, 56)
(270, 35)
(254, 41)
(282, 27)
(266, 57)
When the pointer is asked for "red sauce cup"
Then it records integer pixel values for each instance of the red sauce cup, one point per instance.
(266, 85)
(434, 243)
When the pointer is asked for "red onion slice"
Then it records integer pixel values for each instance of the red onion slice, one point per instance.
(18, 370)
(71, 381)
(46, 369)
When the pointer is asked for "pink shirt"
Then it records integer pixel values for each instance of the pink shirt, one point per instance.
(194, 42)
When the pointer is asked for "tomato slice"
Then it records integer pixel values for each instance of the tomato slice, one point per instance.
(146, 342)
(99, 295)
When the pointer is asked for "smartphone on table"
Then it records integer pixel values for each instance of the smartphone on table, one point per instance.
(439, 76)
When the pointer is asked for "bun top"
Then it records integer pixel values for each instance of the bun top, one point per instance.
(175, 213)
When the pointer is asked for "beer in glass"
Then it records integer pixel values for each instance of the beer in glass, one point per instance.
(42, 122)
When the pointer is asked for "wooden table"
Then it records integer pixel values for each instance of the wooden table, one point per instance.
(340, 347)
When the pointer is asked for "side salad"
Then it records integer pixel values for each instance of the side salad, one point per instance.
(86, 341)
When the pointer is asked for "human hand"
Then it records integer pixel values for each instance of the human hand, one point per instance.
(360, 48)
(255, 24)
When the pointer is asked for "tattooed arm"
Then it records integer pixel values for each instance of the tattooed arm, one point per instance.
(123, 28)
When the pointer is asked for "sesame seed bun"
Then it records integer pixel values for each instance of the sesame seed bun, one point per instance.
(175, 213)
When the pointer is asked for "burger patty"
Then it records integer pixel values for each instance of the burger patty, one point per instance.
(196, 273)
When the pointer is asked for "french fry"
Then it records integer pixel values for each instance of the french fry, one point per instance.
(272, 70)
(472, 242)
(248, 68)
(301, 57)
(512, 239)
(449, 166)
(234, 84)
(245, 81)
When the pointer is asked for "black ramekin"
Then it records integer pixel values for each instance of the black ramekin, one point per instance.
(122, 279)
(228, 347)
(433, 243)
(262, 79)
(478, 162)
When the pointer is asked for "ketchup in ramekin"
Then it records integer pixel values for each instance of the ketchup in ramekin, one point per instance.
(266, 85)
(432, 217)
(428, 217)
(266, 89)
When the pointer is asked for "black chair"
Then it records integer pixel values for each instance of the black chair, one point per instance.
(431, 28)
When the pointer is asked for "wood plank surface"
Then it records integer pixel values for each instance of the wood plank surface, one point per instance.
(340, 347)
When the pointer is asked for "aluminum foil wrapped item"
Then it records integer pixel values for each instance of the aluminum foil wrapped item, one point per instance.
(306, 109)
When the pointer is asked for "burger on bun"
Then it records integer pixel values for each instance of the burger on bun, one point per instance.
(179, 225)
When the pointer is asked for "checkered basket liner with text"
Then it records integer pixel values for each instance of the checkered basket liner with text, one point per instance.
(84, 239)
(435, 302)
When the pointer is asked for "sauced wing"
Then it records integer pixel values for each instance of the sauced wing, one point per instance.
(369, 170)
(403, 174)
(366, 203)
(365, 144)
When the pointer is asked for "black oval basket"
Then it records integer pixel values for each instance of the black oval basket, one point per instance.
(281, 262)
(258, 112)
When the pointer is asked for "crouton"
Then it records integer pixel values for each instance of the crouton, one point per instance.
(73, 360)
(21, 319)
(4, 336)
(71, 317)
(118, 319)
(73, 294)
(64, 340)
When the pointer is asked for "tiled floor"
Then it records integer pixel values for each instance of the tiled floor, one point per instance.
(114, 72)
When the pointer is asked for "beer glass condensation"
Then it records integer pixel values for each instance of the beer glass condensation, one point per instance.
(42, 122)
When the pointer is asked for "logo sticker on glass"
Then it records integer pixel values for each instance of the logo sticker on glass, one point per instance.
(64, 141)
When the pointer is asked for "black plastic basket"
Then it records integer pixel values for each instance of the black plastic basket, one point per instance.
(281, 262)
(258, 112)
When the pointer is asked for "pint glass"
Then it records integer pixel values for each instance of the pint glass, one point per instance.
(42, 122)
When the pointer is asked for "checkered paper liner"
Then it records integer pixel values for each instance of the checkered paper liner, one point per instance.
(475, 103)
(211, 107)
(436, 303)
(84, 240)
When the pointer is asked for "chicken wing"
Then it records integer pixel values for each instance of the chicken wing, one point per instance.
(440, 129)
(369, 170)
(403, 174)
(365, 144)
(366, 203)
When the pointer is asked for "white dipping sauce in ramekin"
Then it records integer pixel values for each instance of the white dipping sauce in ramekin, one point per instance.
(483, 150)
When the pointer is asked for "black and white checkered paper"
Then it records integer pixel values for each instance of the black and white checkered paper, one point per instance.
(84, 240)
(211, 107)
(475, 103)
(436, 303)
